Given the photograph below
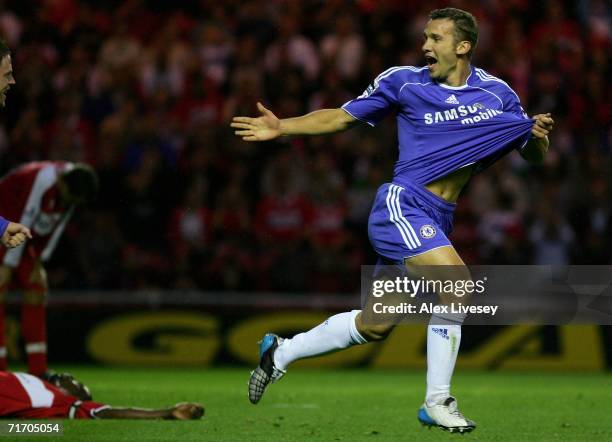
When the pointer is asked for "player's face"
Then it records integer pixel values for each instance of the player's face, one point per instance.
(440, 48)
(6, 78)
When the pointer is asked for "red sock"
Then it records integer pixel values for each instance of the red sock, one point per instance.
(3, 363)
(34, 331)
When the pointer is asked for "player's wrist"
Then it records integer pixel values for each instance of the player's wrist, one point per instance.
(172, 413)
(283, 129)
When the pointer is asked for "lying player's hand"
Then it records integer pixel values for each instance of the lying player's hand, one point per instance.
(266, 127)
(543, 125)
(187, 410)
(15, 235)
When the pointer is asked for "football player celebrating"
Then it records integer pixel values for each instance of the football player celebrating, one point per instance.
(453, 120)
(43, 196)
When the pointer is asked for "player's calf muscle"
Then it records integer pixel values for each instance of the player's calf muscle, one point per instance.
(373, 332)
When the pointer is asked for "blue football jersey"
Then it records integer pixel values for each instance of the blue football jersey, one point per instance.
(443, 128)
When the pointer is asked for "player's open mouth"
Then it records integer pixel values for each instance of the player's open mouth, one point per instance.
(431, 61)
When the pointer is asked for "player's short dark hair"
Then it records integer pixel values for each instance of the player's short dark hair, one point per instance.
(70, 385)
(82, 182)
(466, 27)
(4, 49)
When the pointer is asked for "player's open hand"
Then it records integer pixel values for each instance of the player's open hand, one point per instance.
(266, 127)
(187, 410)
(15, 235)
(543, 125)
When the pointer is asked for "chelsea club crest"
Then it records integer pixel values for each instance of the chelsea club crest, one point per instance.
(427, 231)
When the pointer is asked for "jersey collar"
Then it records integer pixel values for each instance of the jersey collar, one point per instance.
(456, 88)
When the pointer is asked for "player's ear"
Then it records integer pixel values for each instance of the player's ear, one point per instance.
(463, 47)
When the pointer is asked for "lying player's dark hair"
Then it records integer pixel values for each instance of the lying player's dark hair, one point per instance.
(466, 27)
(82, 182)
(4, 49)
(70, 385)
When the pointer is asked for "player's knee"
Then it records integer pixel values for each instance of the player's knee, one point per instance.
(375, 332)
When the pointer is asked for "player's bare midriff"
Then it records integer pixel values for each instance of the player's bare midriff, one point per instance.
(449, 187)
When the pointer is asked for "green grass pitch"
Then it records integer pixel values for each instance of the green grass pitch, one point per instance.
(346, 405)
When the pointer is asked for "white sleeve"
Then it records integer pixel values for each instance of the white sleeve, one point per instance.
(57, 233)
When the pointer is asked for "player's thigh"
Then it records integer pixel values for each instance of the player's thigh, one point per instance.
(33, 282)
(440, 256)
(5, 280)
(402, 226)
(440, 264)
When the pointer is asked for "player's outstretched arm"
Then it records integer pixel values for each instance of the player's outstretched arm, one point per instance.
(15, 235)
(182, 411)
(536, 148)
(268, 126)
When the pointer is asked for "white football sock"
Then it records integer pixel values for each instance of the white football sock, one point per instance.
(334, 334)
(443, 339)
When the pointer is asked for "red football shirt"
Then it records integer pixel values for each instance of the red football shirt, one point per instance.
(30, 195)
(25, 396)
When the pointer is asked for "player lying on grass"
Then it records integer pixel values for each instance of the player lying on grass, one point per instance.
(454, 120)
(28, 397)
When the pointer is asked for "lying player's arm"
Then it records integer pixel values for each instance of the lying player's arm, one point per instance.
(268, 126)
(536, 148)
(183, 411)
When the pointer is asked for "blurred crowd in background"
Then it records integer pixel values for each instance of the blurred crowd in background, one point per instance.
(144, 91)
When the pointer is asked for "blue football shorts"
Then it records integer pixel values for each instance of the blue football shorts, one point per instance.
(408, 220)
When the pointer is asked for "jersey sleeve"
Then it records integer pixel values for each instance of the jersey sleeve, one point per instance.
(88, 410)
(512, 105)
(3, 225)
(55, 237)
(377, 100)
